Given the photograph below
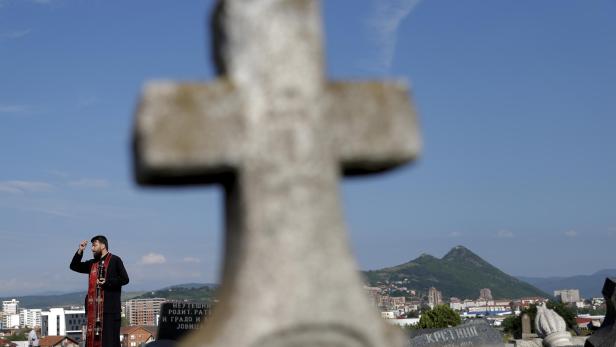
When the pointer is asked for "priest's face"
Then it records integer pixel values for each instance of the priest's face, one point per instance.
(97, 249)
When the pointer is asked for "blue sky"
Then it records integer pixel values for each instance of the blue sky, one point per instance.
(517, 113)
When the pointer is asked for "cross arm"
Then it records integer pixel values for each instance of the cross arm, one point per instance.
(187, 133)
(374, 125)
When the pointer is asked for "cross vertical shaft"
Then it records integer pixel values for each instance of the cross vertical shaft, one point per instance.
(276, 135)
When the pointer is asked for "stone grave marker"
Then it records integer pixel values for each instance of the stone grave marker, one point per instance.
(276, 135)
(473, 333)
(605, 336)
(178, 318)
(526, 328)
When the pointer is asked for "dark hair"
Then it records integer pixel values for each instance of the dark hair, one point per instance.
(102, 239)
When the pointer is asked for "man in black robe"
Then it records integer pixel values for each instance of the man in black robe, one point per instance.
(107, 275)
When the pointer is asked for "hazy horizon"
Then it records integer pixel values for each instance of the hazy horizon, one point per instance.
(163, 286)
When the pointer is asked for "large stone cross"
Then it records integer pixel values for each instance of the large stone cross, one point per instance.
(277, 136)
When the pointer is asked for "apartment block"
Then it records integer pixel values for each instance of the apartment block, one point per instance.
(144, 311)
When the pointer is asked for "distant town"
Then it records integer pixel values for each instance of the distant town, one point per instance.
(401, 305)
(65, 326)
(397, 302)
(401, 295)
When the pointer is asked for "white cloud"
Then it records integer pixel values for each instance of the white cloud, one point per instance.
(504, 234)
(388, 16)
(571, 233)
(14, 34)
(455, 234)
(191, 260)
(13, 108)
(89, 183)
(21, 187)
(153, 259)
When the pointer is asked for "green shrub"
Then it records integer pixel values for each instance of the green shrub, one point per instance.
(440, 317)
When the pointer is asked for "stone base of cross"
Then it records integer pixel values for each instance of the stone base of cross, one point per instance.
(277, 137)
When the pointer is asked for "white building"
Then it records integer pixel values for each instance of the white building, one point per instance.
(582, 304)
(388, 314)
(567, 295)
(596, 302)
(11, 321)
(10, 306)
(62, 322)
(30, 318)
(404, 322)
(456, 304)
(489, 310)
(487, 307)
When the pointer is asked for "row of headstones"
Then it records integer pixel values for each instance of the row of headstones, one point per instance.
(178, 318)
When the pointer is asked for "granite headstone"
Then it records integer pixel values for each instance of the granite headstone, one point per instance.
(473, 333)
(527, 333)
(178, 318)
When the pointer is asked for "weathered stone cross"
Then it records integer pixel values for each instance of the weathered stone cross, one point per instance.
(277, 136)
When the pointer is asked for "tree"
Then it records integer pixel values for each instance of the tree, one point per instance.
(20, 335)
(424, 308)
(440, 317)
(513, 324)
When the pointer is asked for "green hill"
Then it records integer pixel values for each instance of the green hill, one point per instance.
(460, 273)
(201, 292)
(191, 293)
(59, 300)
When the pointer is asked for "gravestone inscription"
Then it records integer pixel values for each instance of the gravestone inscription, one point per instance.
(178, 318)
(473, 333)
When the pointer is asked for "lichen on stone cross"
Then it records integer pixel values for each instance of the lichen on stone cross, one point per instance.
(276, 135)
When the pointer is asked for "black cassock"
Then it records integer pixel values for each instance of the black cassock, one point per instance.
(116, 277)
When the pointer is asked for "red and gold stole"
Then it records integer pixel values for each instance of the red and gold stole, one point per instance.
(95, 305)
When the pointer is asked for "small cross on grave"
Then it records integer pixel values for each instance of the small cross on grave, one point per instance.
(276, 135)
